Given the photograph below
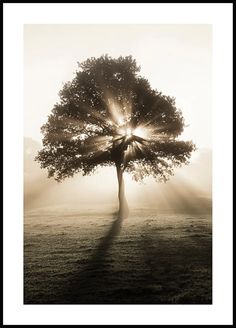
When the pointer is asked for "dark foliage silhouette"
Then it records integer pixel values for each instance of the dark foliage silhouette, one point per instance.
(109, 115)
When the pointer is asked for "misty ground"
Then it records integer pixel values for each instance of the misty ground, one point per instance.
(72, 257)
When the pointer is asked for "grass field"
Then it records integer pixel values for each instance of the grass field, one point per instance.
(72, 257)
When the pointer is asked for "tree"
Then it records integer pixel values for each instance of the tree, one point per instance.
(109, 115)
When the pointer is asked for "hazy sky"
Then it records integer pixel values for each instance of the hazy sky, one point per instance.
(176, 59)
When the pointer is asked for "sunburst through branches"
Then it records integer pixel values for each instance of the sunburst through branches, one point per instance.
(109, 115)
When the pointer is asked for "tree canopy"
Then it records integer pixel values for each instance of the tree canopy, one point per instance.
(109, 115)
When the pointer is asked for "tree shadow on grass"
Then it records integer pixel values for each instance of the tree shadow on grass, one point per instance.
(98, 258)
(91, 284)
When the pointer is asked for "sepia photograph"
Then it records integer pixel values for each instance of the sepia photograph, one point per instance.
(117, 164)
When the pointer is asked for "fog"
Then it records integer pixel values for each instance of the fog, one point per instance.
(189, 190)
(176, 59)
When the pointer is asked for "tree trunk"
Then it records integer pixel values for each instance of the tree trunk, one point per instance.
(123, 205)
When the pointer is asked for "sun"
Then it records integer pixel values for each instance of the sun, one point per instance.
(128, 133)
(125, 129)
(140, 132)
